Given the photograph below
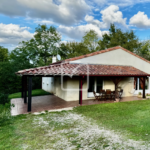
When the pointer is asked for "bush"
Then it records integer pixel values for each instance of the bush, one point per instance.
(5, 114)
(4, 98)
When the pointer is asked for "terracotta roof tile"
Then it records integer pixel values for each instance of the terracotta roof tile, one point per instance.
(82, 69)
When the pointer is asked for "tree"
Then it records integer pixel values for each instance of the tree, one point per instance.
(40, 49)
(117, 37)
(26, 54)
(72, 49)
(144, 51)
(3, 54)
(90, 39)
(46, 41)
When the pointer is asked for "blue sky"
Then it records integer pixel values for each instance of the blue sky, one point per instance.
(72, 18)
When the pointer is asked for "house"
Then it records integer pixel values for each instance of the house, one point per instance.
(76, 78)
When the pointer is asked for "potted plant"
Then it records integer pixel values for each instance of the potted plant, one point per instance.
(140, 94)
(147, 96)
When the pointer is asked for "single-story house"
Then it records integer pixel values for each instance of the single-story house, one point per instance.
(76, 78)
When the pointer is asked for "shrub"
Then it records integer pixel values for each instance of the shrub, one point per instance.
(5, 114)
(140, 93)
(4, 98)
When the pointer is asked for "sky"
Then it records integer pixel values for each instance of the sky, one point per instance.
(72, 18)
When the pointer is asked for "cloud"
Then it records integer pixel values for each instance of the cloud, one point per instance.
(12, 34)
(109, 15)
(65, 12)
(79, 31)
(47, 22)
(12, 8)
(119, 3)
(140, 20)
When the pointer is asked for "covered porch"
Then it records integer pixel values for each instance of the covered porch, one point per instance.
(51, 102)
(82, 71)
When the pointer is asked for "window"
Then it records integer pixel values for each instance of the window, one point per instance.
(139, 84)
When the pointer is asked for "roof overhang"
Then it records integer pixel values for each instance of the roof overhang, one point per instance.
(67, 69)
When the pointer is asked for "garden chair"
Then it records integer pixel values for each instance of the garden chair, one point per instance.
(102, 94)
(108, 94)
(96, 96)
(113, 95)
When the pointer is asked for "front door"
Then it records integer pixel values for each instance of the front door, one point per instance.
(95, 84)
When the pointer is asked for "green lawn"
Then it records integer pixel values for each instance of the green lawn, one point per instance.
(100, 126)
(37, 92)
(131, 117)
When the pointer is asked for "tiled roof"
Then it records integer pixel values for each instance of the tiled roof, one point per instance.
(83, 69)
(100, 52)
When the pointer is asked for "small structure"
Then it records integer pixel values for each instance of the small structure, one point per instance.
(77, 78)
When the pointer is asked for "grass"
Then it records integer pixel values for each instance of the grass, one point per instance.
(37, 92)
(60, 130)
(126, 117)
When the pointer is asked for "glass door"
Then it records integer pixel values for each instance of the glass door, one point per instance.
(95, 84)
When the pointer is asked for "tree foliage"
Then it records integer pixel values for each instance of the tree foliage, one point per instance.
(117, 37)
(90, 39)
(40, 49)
(72, 49)
(144, 50)
(3, 54)
(46, 42)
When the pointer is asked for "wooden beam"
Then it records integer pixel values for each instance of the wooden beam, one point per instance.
(25, 89)
(80, 90)
(22, 86)
(116, 81)
(29, 94)
(144, 87)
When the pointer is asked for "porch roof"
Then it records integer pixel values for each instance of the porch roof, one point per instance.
(83, 69)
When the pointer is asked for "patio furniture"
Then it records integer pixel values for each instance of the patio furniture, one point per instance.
(96, 96)
(108, 94)
(102, 94)
(113, 95)
(120, 93)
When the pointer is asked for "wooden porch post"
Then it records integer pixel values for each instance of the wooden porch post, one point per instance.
(80, 90)
(116, 81)
(25, 89)
(29, 94)
(22, 86)
(144, 87)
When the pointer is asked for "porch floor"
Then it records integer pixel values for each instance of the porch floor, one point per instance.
(51, 102)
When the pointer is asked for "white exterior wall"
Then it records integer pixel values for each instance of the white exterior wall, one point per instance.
(127, 85)
(48, 84)
(58, 90)
(71, 86)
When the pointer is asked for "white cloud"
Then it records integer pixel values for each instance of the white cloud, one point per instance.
(79, 31)
(109, 15)
(140, 20)
(47, 22)
(91, 20)
(113, 15)
(13, 34)
(122, 3)
(65, 12)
